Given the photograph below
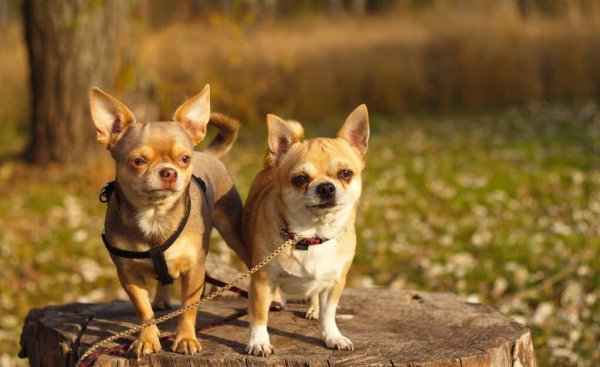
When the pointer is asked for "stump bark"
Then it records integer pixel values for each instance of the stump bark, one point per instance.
(388, 328)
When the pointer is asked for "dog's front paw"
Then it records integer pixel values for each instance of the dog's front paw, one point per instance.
(338, 342)
(263, 349)
(259, 344)
(147, 342)
(186, 345)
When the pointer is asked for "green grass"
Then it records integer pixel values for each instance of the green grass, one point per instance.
(504, 207)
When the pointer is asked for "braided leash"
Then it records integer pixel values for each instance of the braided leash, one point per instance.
(92, 357)
(94, 348)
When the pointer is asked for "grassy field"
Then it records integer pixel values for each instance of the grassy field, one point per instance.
(501, 208)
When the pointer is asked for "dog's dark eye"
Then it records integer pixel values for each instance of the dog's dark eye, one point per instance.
(299, 180)
(345, 174)
(186, 159)
(139, 162)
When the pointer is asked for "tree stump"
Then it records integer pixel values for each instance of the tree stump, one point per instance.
(388, 327)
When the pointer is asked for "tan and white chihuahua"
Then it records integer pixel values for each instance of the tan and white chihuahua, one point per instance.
(155, 162)
(308, 190)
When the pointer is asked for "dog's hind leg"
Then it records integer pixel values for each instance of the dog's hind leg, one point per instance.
(278, 303)
(162, 298)
(312, 312)
(227, 218)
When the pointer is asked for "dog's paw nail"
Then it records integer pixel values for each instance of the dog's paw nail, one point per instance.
(312, 310)
(262, 350)
(311, 314)
(144, 348)
(187, 346)
(339, 342)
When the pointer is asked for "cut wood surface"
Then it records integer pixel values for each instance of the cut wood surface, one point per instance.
(388, 327)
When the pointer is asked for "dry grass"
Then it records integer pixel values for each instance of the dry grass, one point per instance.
(406, 61)
(403, 62)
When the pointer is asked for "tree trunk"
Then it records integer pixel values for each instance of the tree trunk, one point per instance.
(72, 46)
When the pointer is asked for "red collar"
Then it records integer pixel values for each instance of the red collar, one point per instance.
(302, 243)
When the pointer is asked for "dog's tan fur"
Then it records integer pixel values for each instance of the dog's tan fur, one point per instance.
(274, 202)
(145, 210)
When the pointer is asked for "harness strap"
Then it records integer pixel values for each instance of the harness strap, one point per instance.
(201, 184)
(160, 266)
(156, 254)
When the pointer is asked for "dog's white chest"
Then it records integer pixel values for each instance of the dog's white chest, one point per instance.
(310, 271)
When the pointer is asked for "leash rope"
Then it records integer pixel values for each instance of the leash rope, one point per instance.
(120, 347)
(218, 292)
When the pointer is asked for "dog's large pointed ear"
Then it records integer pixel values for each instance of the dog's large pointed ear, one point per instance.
(282, 134)
(110, 116)
(356, 129)
(194, 114)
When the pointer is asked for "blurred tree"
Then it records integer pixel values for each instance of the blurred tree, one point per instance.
(525, 7)
(72, 46)
(8, 11)
(3, 12)
(359, 7)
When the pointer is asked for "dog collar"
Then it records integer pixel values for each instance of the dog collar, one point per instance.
(157, 254)
(304, 242)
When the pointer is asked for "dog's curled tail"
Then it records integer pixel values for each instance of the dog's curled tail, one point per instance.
(228, 132)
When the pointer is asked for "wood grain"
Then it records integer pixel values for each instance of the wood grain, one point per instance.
(388, 328)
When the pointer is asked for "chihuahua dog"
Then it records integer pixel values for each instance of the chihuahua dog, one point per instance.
(154, 201)
(307, 191)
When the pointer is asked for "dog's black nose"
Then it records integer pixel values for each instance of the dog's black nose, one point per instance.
(168, 175)
(326, 190)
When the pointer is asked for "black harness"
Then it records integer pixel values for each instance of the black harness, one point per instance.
(156, 254)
